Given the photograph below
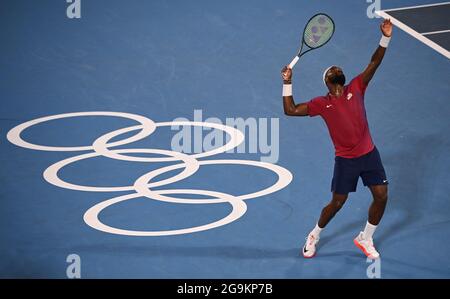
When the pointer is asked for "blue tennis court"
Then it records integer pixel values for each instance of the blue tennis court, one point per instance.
(122, 142)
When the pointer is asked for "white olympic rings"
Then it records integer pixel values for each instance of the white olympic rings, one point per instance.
(143, 186)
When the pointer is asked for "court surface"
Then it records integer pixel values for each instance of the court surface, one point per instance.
(162, 60)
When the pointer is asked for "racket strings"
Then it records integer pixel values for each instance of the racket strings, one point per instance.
(318, 31)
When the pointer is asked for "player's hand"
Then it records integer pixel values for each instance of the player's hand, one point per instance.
(286, 74)
(386, 28)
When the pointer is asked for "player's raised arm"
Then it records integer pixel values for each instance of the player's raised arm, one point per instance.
(377, 57)
(288, 101)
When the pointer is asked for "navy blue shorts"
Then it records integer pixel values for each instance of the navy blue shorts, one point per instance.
(348, 170)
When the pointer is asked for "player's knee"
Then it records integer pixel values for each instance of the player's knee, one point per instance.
(381, 196)
(337, 204)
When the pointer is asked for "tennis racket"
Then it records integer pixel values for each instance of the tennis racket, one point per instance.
(318, 31)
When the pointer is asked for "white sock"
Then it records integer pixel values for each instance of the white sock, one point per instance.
(316, 231)
(369, 230)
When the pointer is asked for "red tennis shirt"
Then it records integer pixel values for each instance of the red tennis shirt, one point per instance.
(346, 119)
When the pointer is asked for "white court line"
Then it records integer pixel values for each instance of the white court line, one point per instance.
(417, 6)
(435, 32)
(414, 33)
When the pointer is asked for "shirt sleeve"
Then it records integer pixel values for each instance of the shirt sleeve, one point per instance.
(359, 84)
(315, 107)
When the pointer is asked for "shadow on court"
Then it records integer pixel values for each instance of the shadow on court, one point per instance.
(410, 192)
(232, 252)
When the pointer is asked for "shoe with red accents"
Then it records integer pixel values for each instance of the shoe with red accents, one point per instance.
(366, 245)
(309, 250)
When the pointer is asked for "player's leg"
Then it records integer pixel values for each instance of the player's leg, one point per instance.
(328, 212)
(374, 177)
(364, 240)
(345, 180)
(380, 197)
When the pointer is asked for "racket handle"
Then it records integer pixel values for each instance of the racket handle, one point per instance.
(293, 62)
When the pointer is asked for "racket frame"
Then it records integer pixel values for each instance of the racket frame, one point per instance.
(300, 54)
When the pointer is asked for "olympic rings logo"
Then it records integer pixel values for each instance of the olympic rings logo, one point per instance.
(144, 185)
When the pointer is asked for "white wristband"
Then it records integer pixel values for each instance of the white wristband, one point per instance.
(287, 90)
(384, 42)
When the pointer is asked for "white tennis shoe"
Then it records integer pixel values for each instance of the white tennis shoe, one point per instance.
(309, 250)
(366, 245)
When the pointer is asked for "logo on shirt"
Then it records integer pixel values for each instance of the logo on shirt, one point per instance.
(349, 96)
(328, 106)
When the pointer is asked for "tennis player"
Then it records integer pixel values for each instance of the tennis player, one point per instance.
(356, 155)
